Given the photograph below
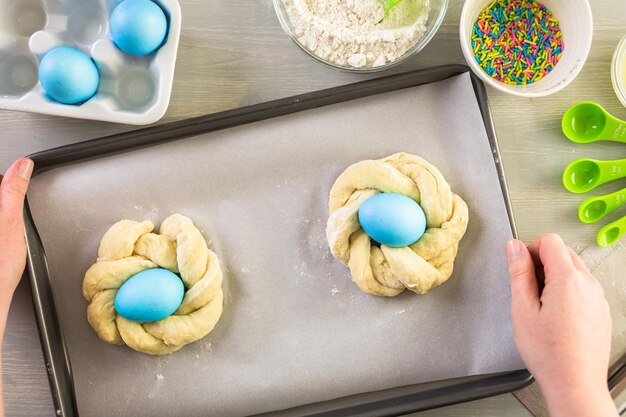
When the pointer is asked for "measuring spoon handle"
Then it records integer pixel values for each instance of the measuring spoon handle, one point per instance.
(614, 130)
(615, 200)
(611, 233)
(611, 170)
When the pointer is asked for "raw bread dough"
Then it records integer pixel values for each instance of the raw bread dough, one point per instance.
(388, 271)
(128, 248)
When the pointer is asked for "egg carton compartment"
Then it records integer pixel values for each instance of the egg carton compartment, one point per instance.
(132, 89)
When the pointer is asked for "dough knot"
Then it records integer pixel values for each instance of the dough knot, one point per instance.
(384, 270)
(130, 247)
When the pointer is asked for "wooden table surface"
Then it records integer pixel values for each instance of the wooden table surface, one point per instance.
(234, 54)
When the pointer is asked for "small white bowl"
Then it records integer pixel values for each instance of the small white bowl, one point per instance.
(576, 23)
(618, 71)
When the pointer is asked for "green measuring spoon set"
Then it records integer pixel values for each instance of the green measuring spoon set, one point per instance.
(588, 122)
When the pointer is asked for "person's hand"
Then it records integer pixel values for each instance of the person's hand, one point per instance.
(12, 244)
(562, 326)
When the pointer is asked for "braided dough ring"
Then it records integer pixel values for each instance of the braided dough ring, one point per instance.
(383, 270)
(128, 248)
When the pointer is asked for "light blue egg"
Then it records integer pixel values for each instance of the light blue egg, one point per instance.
(68, 75)
(150, 295)
(138, 27)
(392, 220)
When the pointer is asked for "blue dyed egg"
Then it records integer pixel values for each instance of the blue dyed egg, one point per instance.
(392, 220)
(138, 27)
(68, 75)
(150, 295)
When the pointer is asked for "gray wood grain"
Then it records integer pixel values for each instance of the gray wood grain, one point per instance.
(234, 54)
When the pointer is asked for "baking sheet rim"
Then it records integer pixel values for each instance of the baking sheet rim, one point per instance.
(53, 344)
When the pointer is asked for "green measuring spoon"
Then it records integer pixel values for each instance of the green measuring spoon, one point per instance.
(610, 233)
(594, 208)
(584, 175)
(588, 122)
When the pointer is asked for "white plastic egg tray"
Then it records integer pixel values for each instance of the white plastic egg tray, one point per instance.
(133, 89)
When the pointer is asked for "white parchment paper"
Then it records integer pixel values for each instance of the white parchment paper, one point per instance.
(295, 329)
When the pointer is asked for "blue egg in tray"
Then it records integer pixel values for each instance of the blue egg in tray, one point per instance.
(110, 60)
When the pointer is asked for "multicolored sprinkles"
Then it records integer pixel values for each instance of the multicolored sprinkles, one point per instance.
(517, 41)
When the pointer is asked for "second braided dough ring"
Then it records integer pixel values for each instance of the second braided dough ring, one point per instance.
(383, 270)
(128, 248)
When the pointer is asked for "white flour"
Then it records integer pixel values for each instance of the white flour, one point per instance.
(353, 32)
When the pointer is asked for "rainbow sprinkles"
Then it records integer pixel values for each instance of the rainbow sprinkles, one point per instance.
(517, 41)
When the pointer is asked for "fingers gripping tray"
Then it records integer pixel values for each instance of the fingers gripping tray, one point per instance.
(132, 89)
(297, 336)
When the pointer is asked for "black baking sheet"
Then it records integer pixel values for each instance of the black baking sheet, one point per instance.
(388, 402)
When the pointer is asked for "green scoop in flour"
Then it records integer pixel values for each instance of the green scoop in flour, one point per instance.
(389, 4)
(399, 13)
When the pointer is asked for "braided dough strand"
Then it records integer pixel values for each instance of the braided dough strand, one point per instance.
(128, 248)
(383, 270)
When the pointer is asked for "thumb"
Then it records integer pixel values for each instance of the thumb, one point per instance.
(524, 291)
(13, 188)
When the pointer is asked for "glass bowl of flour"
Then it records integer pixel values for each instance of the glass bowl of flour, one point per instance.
(357, 35)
